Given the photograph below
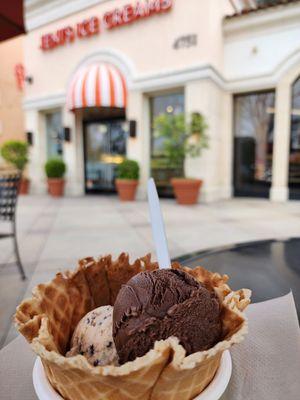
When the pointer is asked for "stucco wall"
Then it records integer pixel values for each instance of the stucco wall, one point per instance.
(146, 44)
(11, 113)
(258, 44)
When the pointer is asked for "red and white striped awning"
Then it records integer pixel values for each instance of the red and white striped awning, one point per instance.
(97, 85)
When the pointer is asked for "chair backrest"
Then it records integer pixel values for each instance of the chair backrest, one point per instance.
(9, 188)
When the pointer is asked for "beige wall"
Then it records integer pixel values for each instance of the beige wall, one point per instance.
(144, 52)
(257, 45)
(11, 113)
(206, 97)
(147, 44)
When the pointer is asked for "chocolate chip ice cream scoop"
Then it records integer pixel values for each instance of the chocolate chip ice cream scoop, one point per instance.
(158, 304)
(92, 338)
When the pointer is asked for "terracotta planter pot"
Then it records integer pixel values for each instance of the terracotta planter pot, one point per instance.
(24, 186)
(186, 190)
(126, 189)
(56, 187)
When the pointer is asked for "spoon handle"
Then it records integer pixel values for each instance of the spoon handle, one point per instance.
(158, 228)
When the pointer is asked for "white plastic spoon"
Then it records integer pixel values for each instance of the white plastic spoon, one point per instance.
(158, 228)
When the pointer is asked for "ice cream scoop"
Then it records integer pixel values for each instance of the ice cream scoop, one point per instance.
(93, 338)
(158, 304)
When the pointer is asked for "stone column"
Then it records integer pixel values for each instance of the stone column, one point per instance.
(226, 147)
(37, 154)
(279, 189)
(138, 148)
(205, 96)
(73, 154)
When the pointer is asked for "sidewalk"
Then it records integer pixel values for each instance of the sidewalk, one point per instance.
(55, 233)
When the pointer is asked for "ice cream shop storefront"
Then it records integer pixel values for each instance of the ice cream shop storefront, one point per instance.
(101, 71)
(98, 102)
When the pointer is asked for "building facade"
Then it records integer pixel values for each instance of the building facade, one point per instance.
(11, 93)
(102, 70)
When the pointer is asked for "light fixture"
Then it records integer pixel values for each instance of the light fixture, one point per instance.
(67, 134)
(29, 138)
(29, 79)
(132, 129)
(169, 109)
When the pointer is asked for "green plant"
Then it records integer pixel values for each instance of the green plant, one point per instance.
(55, 168)
(128, 169)
(182, 137)
(172, 129)
(15, 152)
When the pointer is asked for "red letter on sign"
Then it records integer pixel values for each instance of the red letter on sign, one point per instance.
(154, 6)
(128, 14)
(117, 17)
(139, 11)
(94, 25)
(81, 29)
(47, 42)
(165, 4)
(60, 36)
(69, 34)
(88, 27)
(107, 19)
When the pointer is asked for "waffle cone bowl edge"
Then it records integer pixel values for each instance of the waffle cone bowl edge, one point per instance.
(48, 319)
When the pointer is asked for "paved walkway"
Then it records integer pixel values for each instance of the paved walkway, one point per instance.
(54, 234)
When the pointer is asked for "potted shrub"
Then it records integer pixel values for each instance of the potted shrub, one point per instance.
(15, 152)
(127, 179)
(55, 169)
(181, 138)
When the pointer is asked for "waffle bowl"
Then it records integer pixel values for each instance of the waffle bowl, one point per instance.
(213, 391)
(48, 319)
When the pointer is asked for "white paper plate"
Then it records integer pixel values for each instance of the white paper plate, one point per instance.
(213, 391)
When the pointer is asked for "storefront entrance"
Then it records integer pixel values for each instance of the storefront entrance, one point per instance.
(253, 143)
(104, 149)
(98, 93)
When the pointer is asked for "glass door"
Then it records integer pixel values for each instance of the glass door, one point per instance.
(253, 143)
(104, 149)
(294, 159)
(161, 171)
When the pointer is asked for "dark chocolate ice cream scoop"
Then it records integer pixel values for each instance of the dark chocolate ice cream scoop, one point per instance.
(158, 304)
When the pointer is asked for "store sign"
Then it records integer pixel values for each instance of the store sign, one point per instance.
(20, 75)
(110, 20)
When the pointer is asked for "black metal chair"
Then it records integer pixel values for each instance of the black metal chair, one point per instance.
(9, 187)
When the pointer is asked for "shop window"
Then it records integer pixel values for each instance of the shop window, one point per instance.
(54, 134)
(294, 159)
(253, 142)
(172, 103)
